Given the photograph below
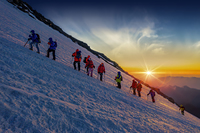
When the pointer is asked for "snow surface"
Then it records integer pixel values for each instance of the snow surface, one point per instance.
(40, 95)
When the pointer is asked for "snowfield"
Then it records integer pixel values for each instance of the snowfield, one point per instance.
(40, 95)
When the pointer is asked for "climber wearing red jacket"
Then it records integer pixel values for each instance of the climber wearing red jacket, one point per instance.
(90, 66)
(101, 70)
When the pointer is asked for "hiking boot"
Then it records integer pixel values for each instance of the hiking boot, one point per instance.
(38, 52)
(31, 49)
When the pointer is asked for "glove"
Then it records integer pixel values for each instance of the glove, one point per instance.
(98, 72)
(94, 66)
(29, 35)
(29, 39)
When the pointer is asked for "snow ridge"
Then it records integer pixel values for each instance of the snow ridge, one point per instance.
(40, 95)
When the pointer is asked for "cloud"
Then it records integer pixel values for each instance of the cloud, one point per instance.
(197, 45)
(151, 46)
(125, 40)
(158, 51)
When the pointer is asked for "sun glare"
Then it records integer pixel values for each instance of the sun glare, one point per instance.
(148, 72)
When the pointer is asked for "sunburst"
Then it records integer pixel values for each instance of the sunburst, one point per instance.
(148, 72)
(151, 73)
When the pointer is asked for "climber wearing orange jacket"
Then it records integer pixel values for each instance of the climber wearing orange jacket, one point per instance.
(77, 58)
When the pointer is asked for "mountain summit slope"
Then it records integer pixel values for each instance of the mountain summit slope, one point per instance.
(39, 95)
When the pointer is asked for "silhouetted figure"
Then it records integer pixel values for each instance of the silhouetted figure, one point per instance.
(152, 95)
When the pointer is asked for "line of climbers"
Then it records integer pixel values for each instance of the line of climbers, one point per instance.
(138, 86)
(34, 38)
(89, 65)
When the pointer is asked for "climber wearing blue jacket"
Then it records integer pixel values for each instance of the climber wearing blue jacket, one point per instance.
(34, 39)
(52, 48)
(152, 95)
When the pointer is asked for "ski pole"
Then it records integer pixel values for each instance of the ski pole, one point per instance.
(26, 43)
(130, 90)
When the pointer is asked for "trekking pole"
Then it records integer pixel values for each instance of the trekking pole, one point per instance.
(104, 77)
(26, 43)
(130, 90)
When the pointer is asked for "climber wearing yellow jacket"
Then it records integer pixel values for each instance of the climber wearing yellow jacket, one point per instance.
(118, 79)
(182, 109)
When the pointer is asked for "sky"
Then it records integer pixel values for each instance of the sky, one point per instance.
(158, 36)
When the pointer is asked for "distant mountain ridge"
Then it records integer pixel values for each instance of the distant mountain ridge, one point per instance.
(192, 82)
(186, 96)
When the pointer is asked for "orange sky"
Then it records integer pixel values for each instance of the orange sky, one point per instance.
(164, 71)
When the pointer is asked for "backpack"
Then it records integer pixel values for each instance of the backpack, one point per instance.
(84, 59)
(38, 37)
(90, 64)
(153, 93)
(55, 44)
(78, 54)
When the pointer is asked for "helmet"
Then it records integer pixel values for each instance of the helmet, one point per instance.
(77, 50)
(50, 39)
(181, 105)
(32, 31)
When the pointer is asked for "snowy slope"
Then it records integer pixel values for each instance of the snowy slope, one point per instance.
(38, 94)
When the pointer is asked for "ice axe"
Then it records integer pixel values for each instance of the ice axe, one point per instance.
(26, 43)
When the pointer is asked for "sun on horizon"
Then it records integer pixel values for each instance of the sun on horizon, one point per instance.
(148, 72)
